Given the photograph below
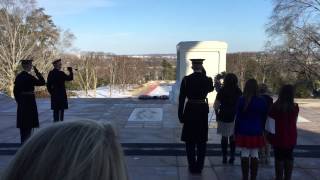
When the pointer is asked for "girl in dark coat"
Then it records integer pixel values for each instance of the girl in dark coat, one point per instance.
(225, 108)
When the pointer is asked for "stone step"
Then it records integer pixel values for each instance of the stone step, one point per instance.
(173, 149)
(6, 102)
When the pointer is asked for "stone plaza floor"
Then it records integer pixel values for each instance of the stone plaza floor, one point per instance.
(150, 135)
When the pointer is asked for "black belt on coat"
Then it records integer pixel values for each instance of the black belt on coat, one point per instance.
(27, 93)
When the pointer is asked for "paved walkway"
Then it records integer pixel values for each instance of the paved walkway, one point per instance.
(161, 154)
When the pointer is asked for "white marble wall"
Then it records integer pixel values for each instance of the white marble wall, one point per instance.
(213, 51)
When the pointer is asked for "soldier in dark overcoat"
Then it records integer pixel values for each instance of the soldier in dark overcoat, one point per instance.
(27, 113)
(57, 89)
(194, 114)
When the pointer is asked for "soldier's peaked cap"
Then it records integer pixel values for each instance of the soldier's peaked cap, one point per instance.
(56, 61)
(26, 61)
(197, 61)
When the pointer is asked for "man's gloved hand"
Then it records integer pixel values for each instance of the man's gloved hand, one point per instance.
(180, 116)
(35, 69)
(69, 68)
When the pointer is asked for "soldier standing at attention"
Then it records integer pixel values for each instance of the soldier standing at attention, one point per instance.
(57, 89)
(194, 115)
(27, 112)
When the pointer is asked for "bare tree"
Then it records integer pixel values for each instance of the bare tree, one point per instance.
(265, 65)
(65, 41)
(25, 32)
(243, 65)
(112, 73)
(296, 25)
(87, 77)
(98, 68)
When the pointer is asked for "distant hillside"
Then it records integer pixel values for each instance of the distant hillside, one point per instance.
(168, 56)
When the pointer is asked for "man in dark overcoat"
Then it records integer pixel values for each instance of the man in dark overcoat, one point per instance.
(57, 89)
(27, 112)
(194, 114)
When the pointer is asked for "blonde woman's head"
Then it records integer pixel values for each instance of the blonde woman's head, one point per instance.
(78, 150)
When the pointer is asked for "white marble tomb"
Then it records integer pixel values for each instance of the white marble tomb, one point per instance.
(214, 53)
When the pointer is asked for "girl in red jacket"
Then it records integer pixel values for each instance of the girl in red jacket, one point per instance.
(285, 113)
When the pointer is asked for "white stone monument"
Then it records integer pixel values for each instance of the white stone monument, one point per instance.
(214, 53)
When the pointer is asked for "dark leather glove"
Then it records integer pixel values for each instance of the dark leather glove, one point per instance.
(180, 116)
(35, 70)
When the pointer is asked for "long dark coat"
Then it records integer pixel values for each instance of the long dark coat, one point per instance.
(57, 89)
(194, 116)
(27, 112)
(228, 98)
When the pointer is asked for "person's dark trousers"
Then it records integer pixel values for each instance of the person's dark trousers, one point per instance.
(25, 133)
(232, 146)
(245, 168)
(201, 154)
(224, 148)
(191, 155)
(58, 115)
(254, 165)
(196, 155)
(284, 163)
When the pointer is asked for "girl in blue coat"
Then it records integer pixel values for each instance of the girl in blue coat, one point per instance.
(249, 126)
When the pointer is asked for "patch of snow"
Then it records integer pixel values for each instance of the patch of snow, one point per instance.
(161, 90)
(117, 92)
(302, 119)
(104, 92)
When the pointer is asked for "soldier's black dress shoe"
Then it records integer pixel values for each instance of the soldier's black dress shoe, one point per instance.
(195, 170)
(231, 161)
(224, 160)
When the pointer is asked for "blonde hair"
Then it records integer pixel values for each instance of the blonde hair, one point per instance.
(78, 150)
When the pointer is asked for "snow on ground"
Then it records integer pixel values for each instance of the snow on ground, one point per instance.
(302, 119)
(104, 92)
(161, 90)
